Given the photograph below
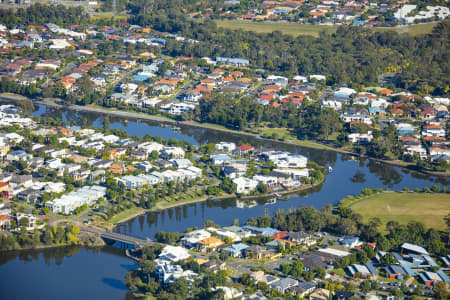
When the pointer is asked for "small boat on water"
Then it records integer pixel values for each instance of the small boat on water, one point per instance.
(175, 128)
(330, 169)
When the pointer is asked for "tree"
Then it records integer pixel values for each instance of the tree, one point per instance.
(440, 291)
(365, 286)
(262, 188)
(210, 223)
(24, 222)
(180, 287)
(388, 259)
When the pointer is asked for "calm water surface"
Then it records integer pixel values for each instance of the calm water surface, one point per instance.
(89, 274)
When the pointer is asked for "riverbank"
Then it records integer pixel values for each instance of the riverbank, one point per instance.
(86, 239)
(128, 214)
(301, 143)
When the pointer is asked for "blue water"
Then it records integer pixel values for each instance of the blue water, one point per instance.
(89, 274)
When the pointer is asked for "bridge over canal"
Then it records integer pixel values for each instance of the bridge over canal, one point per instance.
(124, 241)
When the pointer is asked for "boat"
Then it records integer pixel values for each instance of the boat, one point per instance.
(330, 169)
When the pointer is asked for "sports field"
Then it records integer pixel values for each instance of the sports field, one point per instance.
(313, 30)
(428, 208)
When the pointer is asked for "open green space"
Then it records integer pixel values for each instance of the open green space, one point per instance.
(108, 16)
(126, 214)
(268, 27)
(403, 207)
(313, 30)
(415, 29)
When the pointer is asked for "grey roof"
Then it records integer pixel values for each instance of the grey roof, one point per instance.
(284, 283)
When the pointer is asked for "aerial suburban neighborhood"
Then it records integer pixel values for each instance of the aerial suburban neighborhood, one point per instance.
(229, 149)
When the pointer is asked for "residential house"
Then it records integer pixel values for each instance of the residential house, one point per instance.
(179, 108)
(18, 155)
(301, 238)
(260, 253)
(172, 152)
(302, 289)
(236, 250)
(25, 181)
(284, 284)
(433, 130)
(190, 239)
(214, 265)
(241, 150)
(209, 244)
(320, 294)
(174, 253)
(182, 163)
(350, 241)
(220, 159)
(244, 185)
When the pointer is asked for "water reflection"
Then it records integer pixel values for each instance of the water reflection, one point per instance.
(350, 174)
(358, 177)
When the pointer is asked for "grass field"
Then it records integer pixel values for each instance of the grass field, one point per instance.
(286, 28)
(126, 214)
(108, 16)
(313, 30)
(429, 209)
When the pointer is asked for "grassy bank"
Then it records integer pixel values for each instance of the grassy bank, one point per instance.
(403, 207)
(296, 29)
(126, 215)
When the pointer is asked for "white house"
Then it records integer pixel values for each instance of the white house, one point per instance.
(244, 185)
(191, 238)
(59, 44)
(292, 161)
(360, 138)
(18, 155)
(179, 108)
(174, 253)
(278, 80)
(224, 146)
(169, 273)
(172, 152)
(69, 202)
(149, 147)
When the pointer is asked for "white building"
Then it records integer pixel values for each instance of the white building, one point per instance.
(418, 150)
(360, 138)
(172, 152)
(179, 108)
(278, 80)
(191, 238)
(224, 146)
(69, 202)
(292, 161)
(174, 253)
(59, 44)
(149, 147)
(244, 185)
(169, 273)
(431, 12)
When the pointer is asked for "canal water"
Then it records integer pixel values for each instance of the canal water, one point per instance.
(94, 274)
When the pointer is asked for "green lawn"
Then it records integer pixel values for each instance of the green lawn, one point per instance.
(429, 209)
(313, 30)
(414, 29)
(286, 28)
(125, 214)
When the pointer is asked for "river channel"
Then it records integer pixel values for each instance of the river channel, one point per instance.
(78, 273)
